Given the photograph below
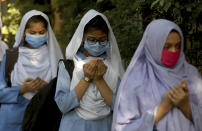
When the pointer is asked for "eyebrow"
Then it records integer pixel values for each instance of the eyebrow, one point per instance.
(38, 31)
(171, 43)
(92, 36)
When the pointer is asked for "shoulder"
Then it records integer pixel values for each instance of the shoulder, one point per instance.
(3, 45)
(192, 70)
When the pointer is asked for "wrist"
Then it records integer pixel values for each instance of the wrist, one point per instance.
(87, 79)
(167, 105)
(184, 105)
(21, 90)
(98, 79)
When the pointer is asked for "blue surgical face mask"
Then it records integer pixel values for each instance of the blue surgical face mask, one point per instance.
(36, 41)
(96, 48)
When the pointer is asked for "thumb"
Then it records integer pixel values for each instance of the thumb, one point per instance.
(184, 85)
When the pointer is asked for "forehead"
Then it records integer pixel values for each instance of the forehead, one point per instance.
(36, 26)
(173, 37)
(95, 32)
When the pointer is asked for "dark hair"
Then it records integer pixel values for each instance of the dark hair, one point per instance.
(97, 23)
(36, 19)
(173, 30)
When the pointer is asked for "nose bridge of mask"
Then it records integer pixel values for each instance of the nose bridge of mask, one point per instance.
(36, 36)
(97, 43)
(95, 49)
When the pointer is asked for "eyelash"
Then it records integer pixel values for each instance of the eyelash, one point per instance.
(35, 32)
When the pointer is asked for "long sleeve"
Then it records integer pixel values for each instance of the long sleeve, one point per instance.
(197, 116)
(7, 94)
(132, 113)
(115, 94)
(65, 99)
(196, 102)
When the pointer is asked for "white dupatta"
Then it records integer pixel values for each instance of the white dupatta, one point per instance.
(92, 104)
(32, 63)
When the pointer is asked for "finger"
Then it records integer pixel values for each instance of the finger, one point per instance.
(38, 85)
(97, 63)
(99, 73)
(28, 80)
(37, 79)
(42, 84)
(94, 65)
(84, 66)
(35, 82)
(184, 85)
(174, 90)
(87, 67)
(172, 93)
(93, 62)
(177, 89)
(45, 83)
(97, 70)
(171, 98)
(103, 70)
(184, 82)
(93, 73)
(91, 68)
(185, 89)
(101, 62)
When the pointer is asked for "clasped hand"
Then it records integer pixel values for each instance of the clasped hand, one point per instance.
(178, 96)
(31, 85)
(95, 69)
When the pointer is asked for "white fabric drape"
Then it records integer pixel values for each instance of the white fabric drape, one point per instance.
(76, 41)
(55, 53)
(32, 63)
(3, 45)
(3, 48)
(92, 104)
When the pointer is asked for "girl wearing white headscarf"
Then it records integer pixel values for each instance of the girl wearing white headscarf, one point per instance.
(38, 56)
(86, 100)
(160, 90)
(3, 45)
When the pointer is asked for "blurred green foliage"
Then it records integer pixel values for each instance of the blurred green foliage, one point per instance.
(11, 22)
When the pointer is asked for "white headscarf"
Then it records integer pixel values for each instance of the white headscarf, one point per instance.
(92, 104)
(55, 53)
(3, 48)
(32, 63)
(3, 45)
(146, 81)
(76, 41)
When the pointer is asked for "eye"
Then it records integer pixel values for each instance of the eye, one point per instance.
(166, 46)
(42, 32)
(104, 42)
(178, 46)
(91, 39)
(32, 32)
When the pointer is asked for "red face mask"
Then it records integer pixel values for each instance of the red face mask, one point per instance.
(169, 58)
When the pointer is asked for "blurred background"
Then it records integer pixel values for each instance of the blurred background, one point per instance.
(128, 19)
